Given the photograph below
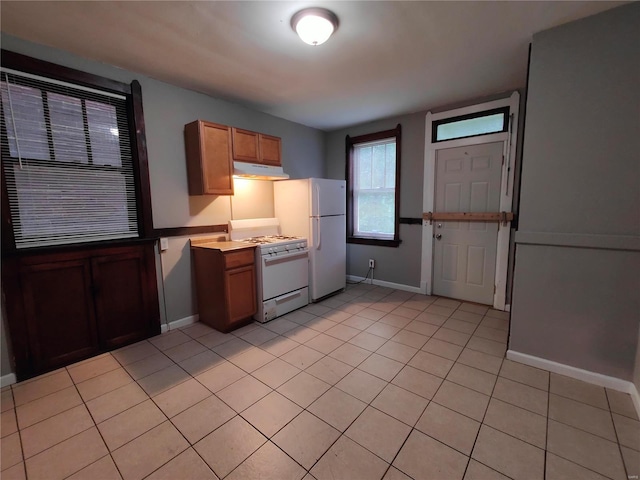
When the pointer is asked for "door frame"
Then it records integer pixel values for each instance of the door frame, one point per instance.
(508, 140)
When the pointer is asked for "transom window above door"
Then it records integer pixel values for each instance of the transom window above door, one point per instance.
(471, 125)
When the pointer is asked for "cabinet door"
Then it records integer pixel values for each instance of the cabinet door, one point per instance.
(61, 326)
(126, 307)
(270, 150)
(217, 164)
(209, 162)
(240, 292)
(245, 146)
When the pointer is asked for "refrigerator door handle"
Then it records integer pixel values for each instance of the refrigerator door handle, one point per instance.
(319, 234)
(319, 213)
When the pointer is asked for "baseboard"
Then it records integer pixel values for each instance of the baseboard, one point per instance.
(382, 283)
(579, 374)
(8, 379)
(635, 397)
(181, 322)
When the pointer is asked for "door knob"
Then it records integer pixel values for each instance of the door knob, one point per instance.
(438, 236)
(439, 225)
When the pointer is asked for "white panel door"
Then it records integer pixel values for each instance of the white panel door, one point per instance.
(464, 263)
(327, 256)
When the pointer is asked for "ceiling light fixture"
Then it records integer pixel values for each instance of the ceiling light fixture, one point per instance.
(314, 25)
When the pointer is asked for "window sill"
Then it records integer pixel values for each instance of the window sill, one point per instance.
(374, 241)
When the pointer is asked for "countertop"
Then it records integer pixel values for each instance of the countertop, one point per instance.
(223, 246)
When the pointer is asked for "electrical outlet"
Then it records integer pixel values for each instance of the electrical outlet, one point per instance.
(372, 263)
(164, 244)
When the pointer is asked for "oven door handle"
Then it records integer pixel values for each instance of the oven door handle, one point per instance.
(288, 296)
(286, 256)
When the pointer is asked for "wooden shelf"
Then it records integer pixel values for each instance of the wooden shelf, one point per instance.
(503, 217)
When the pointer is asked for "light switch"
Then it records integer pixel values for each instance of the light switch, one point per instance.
(164, 244)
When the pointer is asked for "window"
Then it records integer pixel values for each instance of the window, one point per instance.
(373, 179)
(481, 123)
(67, 160)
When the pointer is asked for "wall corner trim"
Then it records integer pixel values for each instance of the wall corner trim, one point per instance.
(579, 374)
(8, 379)
(181, 322)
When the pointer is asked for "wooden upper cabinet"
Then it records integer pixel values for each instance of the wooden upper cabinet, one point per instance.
(209, 158)
(246, 147)
(256, 147)
(270, 148)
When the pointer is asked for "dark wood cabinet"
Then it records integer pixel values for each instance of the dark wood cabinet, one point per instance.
(123, 297)
(65, 307)
(60, 318)
(209, 161)
(225, 284)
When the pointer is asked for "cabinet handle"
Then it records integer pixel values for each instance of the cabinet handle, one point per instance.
(288, 296)
(286, 256)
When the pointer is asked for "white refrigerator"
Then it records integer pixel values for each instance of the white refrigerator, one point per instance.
(315, 208)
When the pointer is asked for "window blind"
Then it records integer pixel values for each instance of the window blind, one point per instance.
(67, 162)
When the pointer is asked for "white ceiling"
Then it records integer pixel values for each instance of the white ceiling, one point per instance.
(386, 58)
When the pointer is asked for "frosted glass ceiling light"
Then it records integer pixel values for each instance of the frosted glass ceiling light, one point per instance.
(314, 25)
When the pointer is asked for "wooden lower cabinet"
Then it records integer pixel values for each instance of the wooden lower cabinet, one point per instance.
(65, 307)
(240, 293)
(59, 313)
(226, 286)
(124, 296)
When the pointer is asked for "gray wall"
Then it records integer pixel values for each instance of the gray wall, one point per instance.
(577, 268)
(636, 371)
(167, 109)
(398, 265)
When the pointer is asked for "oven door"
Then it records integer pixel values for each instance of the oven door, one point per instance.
(284, 273)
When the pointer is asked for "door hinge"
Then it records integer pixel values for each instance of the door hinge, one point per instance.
(502, 159)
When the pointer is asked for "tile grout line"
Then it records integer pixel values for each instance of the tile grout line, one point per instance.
(615, 429)
(109, 453)
(469, 457)
(546, 432)
(484, 416)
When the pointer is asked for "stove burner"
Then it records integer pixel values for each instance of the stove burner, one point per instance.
(269, 239)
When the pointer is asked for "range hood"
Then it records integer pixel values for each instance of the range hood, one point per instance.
(258, 171)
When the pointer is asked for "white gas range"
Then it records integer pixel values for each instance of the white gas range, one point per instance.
(282, 266)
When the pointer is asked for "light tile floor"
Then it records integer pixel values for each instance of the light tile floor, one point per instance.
(372, 383)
